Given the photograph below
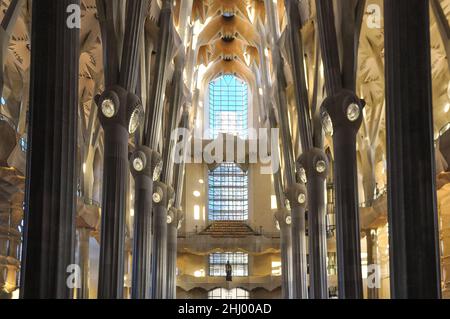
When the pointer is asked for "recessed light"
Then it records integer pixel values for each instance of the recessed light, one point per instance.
(201, 181)
(196, 193)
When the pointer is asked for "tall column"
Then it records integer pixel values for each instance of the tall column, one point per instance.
(51, 183)
(120, 112)
(296, 195)
(299, 275)
(413, 226)
(83, 251)
(162, 198)
(315, 164)
(315, 181)
(118, 115)
(344, 109)
(144, 163)
(284, 221)
(174, 219)
(153, 123)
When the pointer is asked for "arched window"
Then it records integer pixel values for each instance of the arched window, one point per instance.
(222, 293)
(228, 106)
(228, 193)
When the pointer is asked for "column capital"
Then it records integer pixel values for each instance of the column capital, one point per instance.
(175, 217)
(345, 110)
(283, 217)
(314, 162)
(145, 162)
(118, 106)
(296, 195)
(163, 195)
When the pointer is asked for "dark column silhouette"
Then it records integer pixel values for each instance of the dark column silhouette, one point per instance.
(49, 235)
(413, 225)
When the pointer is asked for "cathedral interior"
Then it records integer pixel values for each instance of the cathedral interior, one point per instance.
(225, 149)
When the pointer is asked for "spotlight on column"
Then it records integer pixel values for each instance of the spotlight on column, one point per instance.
(287, 203)
(288, 220)
(302, 175)
(321, 166)
(353, 112)
(157, 170)
(135, 119)
(109, 108)
(134, 113)
(327, 123)
(170, 196)
(139, 161)
(301, 198)
(157, 195)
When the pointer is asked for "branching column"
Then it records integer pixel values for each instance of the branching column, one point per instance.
(345, 110)
(120, 112)
(116, 110)
(313, 161)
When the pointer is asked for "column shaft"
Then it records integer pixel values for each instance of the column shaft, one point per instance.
(115, 174)
(344, 145)
(347, 217)
(159, 253)
(142, 237)
(51, 183)
(413, 226)
(317, 236)
(172, 233)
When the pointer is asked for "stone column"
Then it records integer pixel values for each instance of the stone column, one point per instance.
(174, 219)
(345, 111)
(155, 103)
(315, 164)
(296, 195)
(51, 183)
(162, 198)
(118, 114)
(413, 225)
(144, 163)
(283, 217)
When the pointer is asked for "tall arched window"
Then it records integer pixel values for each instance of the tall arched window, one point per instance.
(228, 106)
(228, 113)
